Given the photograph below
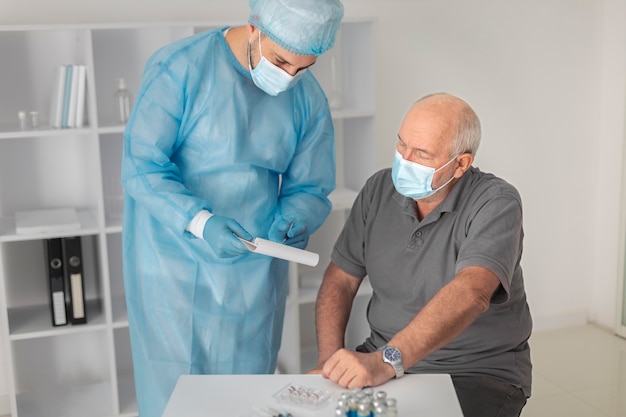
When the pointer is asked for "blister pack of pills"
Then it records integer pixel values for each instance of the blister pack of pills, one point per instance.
(303, 396)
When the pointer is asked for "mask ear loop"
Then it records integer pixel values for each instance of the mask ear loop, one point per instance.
(249, 56)
(250, 51)
(441, 167)
(447, 182)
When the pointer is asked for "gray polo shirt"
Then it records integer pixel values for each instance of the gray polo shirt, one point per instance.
(408, 261)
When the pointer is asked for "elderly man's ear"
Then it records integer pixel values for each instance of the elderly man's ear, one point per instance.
(465, 161)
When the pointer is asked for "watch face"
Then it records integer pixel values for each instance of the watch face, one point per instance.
(392, 354)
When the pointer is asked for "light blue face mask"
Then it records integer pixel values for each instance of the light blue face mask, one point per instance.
(414, 180)
(270, 78)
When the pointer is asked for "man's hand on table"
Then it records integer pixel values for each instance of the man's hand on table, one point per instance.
(355, 369)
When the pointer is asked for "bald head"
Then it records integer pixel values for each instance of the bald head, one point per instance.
(448, 120)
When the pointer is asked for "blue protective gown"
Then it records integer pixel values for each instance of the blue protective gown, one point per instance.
(203, 136)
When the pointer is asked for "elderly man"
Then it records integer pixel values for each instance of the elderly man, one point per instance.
(231, 136)
(441, 243)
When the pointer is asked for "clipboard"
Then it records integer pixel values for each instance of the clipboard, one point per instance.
(278, 250)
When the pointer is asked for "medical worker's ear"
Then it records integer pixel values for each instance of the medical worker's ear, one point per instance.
(464, 162)
(252, 32)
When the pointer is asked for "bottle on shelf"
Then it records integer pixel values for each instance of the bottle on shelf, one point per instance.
(34, 119)
(123, 99)
(22, 117)
(335, 99)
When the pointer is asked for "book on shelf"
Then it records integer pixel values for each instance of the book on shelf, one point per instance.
(67, 107)
(75, 295)
(56, 281)
(67, 93)
(73, 99)
(66, 283)
(80, 95)
(58, 93)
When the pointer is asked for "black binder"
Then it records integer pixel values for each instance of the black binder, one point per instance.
(74, 272)
(54, 251)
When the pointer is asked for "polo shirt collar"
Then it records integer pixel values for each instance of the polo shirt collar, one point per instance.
(452, 201)
(450, 204)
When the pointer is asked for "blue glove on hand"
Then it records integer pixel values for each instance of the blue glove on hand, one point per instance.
(221, 234)
(289, 233)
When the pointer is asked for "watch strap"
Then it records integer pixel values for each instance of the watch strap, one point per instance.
(397, 365)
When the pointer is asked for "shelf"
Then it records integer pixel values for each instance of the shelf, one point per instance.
(340, 114)
(126, 388)
(88, 225)
(308, 357)
(342, 198)
(111, 129)
(114, 227)
(33, 322)
(14, 132)
(92, 400)
(120, 316)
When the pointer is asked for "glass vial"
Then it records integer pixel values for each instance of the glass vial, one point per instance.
(335, 99)
(21, 115)
(123, 99)
(34, 119)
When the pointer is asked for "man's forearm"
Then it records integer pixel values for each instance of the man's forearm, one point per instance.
(332, 311)
(452, 310)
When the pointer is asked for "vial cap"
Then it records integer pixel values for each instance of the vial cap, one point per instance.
(340, 412)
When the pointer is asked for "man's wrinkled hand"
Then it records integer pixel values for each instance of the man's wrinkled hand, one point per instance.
(355, 369)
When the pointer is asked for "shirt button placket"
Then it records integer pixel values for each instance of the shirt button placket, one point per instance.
(416, 240)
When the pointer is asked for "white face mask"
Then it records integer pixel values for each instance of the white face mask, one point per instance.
(414, 180)
(270, 78)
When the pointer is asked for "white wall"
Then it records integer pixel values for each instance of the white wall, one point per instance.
(533, 72)
(610, 162)
(547, 80)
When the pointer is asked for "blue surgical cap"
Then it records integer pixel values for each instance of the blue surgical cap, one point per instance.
(304, 27)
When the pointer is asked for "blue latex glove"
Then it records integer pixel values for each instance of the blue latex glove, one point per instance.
(289, 233)
(221, 233)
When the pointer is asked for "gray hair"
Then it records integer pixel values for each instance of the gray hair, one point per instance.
(468, 132)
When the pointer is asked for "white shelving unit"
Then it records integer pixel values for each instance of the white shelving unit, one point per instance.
(620, 320)
(347, 74)
(79, 370)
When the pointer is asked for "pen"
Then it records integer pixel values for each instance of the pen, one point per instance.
(287, 232)
(279, 414)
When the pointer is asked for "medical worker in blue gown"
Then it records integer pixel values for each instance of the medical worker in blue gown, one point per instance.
(230, 136)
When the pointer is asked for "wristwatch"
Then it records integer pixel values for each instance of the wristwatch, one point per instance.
(393, 357)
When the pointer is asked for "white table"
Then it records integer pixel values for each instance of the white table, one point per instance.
(251, 395)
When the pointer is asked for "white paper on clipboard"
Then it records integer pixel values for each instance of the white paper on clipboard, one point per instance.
(277, 250)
